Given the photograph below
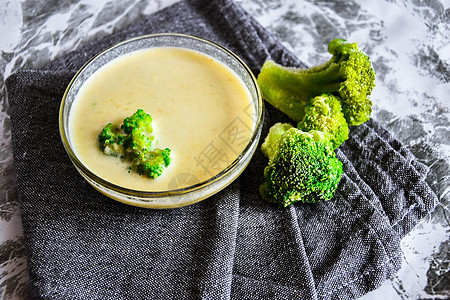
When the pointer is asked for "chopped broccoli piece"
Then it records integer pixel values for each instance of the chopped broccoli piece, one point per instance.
(302, 166)
(133, 142)
(324, 114)
(348, 75)
(270, 145)
(324, 101)
(110, 140)
(138, 144)
(154, 163)
(140, 120)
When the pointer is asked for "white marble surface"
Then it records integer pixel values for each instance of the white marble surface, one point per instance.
(407, 40)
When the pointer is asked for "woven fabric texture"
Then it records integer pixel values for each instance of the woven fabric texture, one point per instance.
(234, 245)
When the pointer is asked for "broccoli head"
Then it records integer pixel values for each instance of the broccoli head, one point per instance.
(154, 162)
(324, 114)
(110, 140)
(133, 142)
(140, 121)
(302, 166)
(348, 74)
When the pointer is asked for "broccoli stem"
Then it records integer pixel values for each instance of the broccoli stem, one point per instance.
(290, 89)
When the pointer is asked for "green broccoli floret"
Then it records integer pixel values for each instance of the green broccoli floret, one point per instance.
(302, 166)
(324, 114)
(348, 74)
(110, 141)
(133, 142)
(138, 144)
(154, 162)
(140, 120)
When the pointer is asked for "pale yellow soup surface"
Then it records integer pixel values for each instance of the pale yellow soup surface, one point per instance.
(201, 110)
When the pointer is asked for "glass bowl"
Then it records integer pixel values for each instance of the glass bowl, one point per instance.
(171, 197)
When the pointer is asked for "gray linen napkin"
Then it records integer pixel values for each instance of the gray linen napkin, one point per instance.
(235, 245)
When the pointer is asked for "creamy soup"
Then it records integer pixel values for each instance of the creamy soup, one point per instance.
(201, 110)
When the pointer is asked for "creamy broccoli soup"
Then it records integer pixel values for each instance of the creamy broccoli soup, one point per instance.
(201, 110)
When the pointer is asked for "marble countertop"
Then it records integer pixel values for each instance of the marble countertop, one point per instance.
(408, 42)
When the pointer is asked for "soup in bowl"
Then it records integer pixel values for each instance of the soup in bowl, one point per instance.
(205, 106)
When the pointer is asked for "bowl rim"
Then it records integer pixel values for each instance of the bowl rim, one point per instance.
(163, 193)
